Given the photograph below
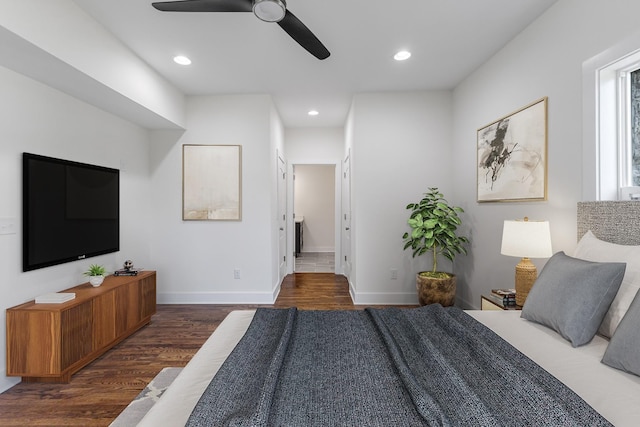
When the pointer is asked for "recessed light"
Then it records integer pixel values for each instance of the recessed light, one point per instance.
(402, 55)
(313, 113)
(182, 60)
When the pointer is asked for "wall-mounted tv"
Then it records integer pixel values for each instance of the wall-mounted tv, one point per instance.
(70, 211)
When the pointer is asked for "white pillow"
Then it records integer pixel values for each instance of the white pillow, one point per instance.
(591, 248)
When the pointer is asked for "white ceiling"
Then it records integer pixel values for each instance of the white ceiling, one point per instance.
(237, 53)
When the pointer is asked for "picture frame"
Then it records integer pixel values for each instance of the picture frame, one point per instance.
(512, 156)
(211, 182)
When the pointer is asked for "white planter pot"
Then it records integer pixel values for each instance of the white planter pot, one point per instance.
(96, 280)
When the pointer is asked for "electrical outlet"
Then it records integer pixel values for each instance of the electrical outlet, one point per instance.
(394, 273)
(236, 273)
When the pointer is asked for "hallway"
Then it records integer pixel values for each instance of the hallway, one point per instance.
(315, 262)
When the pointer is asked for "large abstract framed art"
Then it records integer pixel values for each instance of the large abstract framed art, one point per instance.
(211, 182)
(512, 156)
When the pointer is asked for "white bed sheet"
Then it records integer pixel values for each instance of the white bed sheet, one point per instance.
(613, 393)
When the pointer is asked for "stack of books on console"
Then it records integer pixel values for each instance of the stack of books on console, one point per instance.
(127, 272)
(55, 298)
(507, 296)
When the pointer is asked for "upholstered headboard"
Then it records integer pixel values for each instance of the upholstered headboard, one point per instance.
(615, 222)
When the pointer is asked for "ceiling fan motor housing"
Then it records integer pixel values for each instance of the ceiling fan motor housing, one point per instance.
(270, 10)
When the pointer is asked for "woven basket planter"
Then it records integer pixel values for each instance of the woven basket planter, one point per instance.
(433, 290)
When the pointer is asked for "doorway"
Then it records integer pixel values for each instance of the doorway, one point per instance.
(314, 209)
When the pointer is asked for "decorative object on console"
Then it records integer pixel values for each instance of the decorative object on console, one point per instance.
(55, 298)
(512, 156)
(434, 224)
(127, 269)
(96, 274)
(129, 272)
(526, 239)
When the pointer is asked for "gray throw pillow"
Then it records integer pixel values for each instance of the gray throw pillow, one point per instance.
(571, 296)
(624, 347)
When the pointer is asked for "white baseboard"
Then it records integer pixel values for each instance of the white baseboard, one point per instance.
(7, 382)
(276, 291)
(465, 305)
(383, 298)
(352, 291)
(216, 297)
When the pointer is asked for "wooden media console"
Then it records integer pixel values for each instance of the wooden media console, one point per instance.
(50, 342)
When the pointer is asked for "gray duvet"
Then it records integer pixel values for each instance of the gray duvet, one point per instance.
(429, 366)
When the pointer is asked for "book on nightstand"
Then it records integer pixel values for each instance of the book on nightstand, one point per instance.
(507, 296)
(55, 298)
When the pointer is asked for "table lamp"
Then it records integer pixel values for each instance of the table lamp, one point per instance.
(526, 239)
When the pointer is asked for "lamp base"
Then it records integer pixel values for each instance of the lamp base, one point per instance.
(526, 275)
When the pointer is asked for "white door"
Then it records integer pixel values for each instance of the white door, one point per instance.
(346, 216)
(282, 217)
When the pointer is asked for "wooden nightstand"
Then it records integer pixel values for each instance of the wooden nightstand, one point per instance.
(490, 302)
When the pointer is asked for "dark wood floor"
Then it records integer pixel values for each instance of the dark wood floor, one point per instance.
(99, 392)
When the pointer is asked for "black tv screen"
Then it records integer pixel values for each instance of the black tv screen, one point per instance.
(70, 211)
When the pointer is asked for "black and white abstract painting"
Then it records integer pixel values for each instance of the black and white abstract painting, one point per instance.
(512, 156)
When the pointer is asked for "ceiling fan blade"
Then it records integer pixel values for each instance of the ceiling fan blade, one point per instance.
(205, 6)
(305, 38)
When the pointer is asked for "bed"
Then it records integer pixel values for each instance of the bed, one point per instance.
(562, 353)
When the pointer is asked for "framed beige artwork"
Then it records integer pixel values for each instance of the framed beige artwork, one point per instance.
(512, 156)
(211, 182)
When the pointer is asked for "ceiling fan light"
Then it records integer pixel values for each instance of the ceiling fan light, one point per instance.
(269, 10)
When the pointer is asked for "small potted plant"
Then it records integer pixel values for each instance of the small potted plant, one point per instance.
(96, 274)
(433, 229)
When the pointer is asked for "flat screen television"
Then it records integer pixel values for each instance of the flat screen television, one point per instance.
(70, 211)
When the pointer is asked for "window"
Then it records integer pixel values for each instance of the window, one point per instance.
(611, 123)
(629, 131)
(634, 109)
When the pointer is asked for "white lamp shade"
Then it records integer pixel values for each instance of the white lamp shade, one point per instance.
(530, 239)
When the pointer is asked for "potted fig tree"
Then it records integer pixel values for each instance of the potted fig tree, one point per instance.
(434, 225)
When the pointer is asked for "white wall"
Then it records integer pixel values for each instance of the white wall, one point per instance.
(63, 47)
(544, 60)
(400, 146)
(314, 145)
(35, 118)
(314, 199)
(196, 259)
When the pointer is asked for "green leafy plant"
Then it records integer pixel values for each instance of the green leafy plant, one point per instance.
(95, 270)
(433, 228)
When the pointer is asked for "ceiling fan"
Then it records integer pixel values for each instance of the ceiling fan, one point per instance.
(266, 10)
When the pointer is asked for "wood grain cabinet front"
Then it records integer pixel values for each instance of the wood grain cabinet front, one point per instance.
(50, 342)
